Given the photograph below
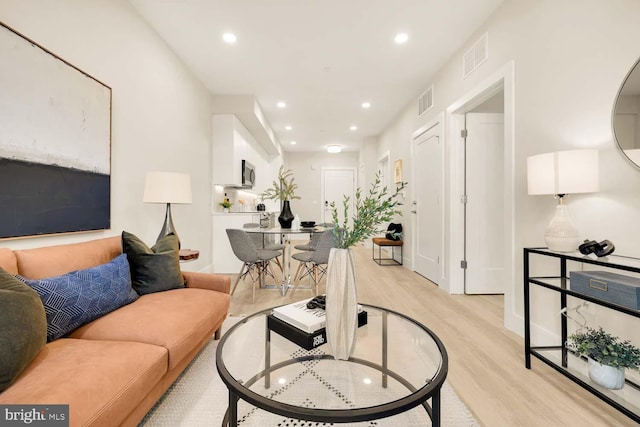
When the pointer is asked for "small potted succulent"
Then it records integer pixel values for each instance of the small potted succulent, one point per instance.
(608, 356)
(226, 205)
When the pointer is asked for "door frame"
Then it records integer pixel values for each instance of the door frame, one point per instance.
(502, 79)
(439, 119)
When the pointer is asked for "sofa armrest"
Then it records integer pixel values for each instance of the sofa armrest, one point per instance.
(214, 282)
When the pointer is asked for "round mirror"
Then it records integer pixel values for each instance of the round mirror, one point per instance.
(626, 116)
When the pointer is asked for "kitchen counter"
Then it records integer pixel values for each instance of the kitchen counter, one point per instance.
(245, 212)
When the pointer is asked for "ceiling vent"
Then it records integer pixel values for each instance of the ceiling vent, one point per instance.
(425, 101)
(475, 56)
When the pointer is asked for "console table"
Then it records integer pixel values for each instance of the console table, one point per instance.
(558, 356)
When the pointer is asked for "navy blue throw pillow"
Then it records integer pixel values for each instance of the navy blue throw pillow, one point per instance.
(81, 296)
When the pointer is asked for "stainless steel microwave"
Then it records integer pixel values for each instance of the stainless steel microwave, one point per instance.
(248, 174)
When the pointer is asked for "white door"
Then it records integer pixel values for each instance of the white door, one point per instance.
(484, 216)
(336, 183)
(428, 166)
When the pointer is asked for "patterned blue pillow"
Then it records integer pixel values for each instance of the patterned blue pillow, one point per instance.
(81, 296)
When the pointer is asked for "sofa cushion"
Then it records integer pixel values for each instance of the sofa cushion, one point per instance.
(102, 381)
(177, 319)
(153, 269)
(23, 327)
(49, 261)
(73, 299)
(8, 261)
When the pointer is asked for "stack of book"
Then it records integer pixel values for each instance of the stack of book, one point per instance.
(302, 325)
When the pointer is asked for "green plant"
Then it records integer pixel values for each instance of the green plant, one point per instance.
(284, 188)
(605, 349)
(226, 204)
(377, 207)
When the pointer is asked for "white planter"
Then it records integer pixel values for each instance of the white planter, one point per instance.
(342, 303)
(606, 376)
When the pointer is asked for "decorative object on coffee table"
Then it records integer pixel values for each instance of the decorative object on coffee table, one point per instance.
(608, 356)
(377, 207)
(283, 189)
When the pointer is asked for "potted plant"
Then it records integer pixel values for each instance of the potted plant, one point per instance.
(226, 205)
(607, 356)
(371, 210)
(283, 189)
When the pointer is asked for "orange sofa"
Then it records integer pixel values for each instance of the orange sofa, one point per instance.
(112, 370)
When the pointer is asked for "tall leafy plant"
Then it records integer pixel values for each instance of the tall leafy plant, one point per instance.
(284, 188)
(378, 206)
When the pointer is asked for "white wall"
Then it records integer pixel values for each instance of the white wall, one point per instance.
(160, 113)
(570, 59)
(307, 170)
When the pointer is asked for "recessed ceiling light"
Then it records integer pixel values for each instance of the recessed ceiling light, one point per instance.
(354, 127)
(366, 104)
(281, 104)
(288, 127)
(229, 37)
(334, 149)
(401, 38)
(293, 143)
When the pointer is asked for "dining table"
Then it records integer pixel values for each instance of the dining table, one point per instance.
(286, 237)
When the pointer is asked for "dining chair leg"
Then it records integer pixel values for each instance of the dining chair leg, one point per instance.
(235, 285)
(315, 279)
(296, 280)
(277, 260)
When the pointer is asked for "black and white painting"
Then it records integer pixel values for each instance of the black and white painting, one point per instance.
(55, 143)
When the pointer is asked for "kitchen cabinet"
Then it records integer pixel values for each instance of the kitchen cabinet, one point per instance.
(232, 142)
(228, 150)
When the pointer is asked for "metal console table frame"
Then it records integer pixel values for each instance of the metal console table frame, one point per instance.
(561, 285)
(431, 389)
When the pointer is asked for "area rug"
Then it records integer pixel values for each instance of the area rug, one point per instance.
(200, 398)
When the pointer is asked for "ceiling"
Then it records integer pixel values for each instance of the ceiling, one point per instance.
(322, 58)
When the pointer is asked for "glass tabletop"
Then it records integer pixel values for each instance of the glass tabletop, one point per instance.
(280, 230)
(397, 364)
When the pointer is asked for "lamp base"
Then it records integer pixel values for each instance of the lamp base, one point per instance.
(561, 235)
(168, 227)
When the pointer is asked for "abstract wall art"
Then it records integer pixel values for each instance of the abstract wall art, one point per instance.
(55, 143)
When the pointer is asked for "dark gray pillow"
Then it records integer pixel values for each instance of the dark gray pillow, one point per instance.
(23, 327)
(153, 269)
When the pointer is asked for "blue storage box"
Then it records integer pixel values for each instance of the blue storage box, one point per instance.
(607, 286)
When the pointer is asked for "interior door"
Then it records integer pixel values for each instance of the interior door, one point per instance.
(336, 183)
(427, 207)
(484, 221)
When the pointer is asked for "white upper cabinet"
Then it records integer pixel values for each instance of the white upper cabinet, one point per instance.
(232, 143)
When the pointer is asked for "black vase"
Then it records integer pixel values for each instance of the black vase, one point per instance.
(286, 216)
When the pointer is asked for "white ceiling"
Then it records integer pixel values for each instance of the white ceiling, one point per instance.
(322, 57)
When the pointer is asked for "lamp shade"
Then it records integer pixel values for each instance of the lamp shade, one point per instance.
(167, 187)
(563, 172)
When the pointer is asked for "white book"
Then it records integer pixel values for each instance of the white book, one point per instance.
(298, 315)
(307, 319)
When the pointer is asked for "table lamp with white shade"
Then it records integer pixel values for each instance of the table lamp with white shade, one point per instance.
(562, 173)
(167, 187)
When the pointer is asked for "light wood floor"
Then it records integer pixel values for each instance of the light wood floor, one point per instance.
(486, 361)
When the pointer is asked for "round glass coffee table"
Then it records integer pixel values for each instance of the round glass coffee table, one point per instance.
(275, 372)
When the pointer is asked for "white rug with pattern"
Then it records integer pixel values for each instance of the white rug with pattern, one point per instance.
(200, 398)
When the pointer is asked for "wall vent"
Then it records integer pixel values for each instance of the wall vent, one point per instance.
(475, 56)
(425, 101)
